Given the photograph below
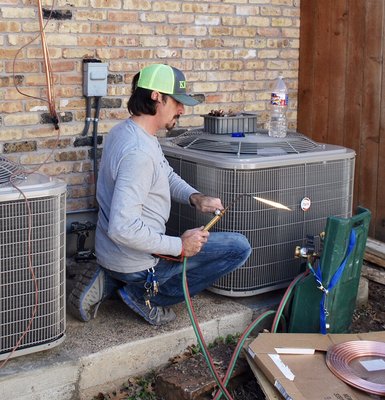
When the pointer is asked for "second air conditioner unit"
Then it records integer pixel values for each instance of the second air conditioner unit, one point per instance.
(32, 261)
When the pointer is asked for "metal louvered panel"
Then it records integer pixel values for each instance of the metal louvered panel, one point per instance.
(32, 230)
(325, 175)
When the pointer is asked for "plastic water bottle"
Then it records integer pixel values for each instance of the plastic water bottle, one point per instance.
(278, 106)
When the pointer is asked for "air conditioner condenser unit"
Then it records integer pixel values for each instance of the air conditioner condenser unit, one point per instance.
(314, 180)
(32, 262)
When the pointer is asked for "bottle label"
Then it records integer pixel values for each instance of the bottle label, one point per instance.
(279, 99)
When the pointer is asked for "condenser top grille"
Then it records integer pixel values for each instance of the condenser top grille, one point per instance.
(257, 143)
(10, 171)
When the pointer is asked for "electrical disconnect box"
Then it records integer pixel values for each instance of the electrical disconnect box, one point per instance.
(95, 79)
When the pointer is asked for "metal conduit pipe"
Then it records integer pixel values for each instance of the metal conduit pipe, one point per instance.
(98, 105)
(88, 116)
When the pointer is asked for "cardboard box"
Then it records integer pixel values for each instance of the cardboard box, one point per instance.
(303, 374)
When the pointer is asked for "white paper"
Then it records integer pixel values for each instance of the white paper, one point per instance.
(293, 350)
(373, 365)
(282, 390)
(282, 367)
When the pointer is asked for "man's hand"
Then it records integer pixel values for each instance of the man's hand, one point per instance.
(206, 204)
(193, 241)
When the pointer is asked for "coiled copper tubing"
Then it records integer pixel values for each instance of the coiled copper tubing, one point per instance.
(346, 361)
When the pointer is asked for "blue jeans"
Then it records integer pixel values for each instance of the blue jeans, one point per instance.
(222, 254)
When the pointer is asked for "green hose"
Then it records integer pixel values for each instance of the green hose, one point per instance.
(199, 335)
(238, 349)
(222, 384)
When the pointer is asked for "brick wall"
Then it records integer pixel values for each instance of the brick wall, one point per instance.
(230, 50)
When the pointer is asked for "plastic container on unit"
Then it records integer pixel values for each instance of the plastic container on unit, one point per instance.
(278, 106)
(241, 123)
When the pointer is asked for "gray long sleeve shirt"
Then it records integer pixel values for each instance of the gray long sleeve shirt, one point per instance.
(134, 192)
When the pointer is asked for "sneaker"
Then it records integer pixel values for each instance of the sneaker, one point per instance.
(157, 315)
(88, 293)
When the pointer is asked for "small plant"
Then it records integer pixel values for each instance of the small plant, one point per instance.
(232, 340)
(195, 349)
(217, 341)
(139, 388)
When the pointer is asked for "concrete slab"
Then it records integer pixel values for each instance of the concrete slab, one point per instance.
(101, 354)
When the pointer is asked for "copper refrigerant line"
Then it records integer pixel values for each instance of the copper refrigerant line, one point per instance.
(220, 213)
(339, 357)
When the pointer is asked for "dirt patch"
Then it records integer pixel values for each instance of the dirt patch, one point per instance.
(369, 318)
(189, 377)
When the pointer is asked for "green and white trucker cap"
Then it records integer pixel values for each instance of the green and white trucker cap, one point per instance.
(166, 79)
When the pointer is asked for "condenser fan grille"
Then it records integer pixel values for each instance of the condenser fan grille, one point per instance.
(10, 171)
(257, 143)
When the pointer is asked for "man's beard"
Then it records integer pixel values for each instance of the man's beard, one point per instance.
(171, 126)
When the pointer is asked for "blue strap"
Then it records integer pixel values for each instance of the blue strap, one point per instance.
(340, 270)
(333, 282)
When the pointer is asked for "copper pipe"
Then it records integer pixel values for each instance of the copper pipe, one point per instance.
(47, 69)
(339, 358)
